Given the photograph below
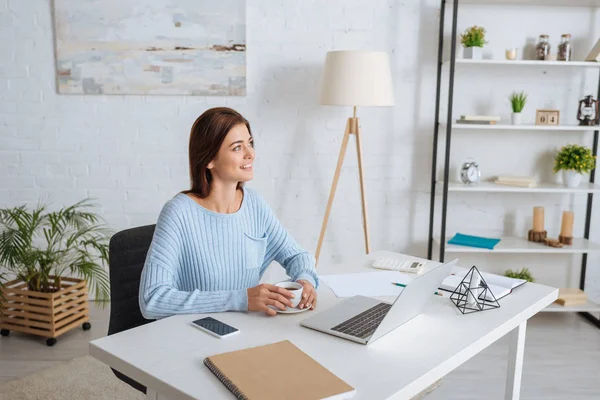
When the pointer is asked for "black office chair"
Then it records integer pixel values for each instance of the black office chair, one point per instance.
(127, 253)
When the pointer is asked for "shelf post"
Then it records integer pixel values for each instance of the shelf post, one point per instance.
(588, 219)
(436, 128)
(448, 130)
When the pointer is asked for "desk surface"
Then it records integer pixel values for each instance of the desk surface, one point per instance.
(167, 355)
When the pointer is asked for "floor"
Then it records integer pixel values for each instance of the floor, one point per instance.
(562, 359)
(22, 355)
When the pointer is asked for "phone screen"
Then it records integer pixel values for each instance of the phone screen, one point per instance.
(215, 326)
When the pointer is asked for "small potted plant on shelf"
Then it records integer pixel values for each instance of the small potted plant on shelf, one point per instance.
(43, 251)
(473, 40)
(522, 274)
(574, 161)
(517, 102)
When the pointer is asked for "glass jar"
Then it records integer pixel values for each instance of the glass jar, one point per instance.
(565, 48)
(542, 50)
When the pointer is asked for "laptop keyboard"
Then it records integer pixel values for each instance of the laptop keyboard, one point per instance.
(364, 324)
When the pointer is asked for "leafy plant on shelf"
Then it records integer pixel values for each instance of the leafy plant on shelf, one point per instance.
(518, 101)
(40, 247)
(522, 274)
(574, 157)
(473, 36)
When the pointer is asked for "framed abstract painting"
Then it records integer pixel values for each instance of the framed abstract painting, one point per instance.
(145, 47)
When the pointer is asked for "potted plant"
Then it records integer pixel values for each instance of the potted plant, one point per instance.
(43, 251)
(522, 274)
(517, 102)
(574, 160)
(473, 39)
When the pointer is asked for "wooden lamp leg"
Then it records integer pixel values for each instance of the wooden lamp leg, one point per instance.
(362, 186)
(351, 128)
(336, 177)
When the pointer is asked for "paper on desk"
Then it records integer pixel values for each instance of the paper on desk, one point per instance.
(366, 283)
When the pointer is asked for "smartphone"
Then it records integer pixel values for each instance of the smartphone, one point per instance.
(215, 327)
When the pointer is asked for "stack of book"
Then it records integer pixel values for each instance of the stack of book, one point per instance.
(520, 181)
(478, 119)
(571, 297)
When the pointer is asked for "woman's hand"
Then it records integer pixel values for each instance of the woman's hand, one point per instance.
(309, 295)
(261, 296)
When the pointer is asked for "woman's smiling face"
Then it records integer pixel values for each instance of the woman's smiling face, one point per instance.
(233, 162)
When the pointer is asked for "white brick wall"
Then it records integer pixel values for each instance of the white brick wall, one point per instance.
(130, 152)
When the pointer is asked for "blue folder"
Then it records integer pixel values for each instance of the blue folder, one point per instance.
(473, 241)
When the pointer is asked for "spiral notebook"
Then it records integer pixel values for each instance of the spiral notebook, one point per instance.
(276, 371)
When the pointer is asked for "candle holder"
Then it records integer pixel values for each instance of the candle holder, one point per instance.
(473, 294)
(568, 240)
(538, 237)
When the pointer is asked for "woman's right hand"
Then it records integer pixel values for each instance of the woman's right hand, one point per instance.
(261, 296)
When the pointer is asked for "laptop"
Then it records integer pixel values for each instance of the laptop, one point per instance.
(364, 319)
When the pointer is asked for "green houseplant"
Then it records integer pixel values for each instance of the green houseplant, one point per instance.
(43, 251)
(522, 274)
(517, 103)
(473, 39)
(574, 160)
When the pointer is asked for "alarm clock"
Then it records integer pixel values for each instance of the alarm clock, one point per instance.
(469, 172)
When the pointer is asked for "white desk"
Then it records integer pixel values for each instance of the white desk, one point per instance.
(167, 355)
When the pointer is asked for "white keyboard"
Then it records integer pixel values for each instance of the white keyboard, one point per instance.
(399, 265)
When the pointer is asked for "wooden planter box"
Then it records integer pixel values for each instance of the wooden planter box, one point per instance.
(45, 314)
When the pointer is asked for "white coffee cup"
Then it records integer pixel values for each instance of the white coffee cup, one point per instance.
(295, 288)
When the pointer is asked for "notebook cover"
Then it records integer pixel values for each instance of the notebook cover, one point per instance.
(475, 122)
(511, 178)
(276, 371)
(473, 241)
(480, 118)
(492, 279)
(516, 183)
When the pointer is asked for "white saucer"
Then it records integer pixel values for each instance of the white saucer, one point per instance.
(292, 311)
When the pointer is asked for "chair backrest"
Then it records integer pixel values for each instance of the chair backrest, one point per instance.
(127, 254)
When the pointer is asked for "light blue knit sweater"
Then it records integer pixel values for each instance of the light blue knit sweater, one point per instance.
(202, 261)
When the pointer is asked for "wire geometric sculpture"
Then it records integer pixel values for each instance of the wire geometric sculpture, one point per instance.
(473, 294)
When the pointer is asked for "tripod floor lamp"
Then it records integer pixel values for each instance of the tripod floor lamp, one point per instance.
(357, 79)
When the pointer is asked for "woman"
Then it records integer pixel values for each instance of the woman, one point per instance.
(212, 243)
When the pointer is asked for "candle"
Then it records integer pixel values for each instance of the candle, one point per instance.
(511, 54)
(566, 228)
(538, 219)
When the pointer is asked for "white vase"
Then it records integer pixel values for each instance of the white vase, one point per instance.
(571, 178)
(515, 118)
(472, 53)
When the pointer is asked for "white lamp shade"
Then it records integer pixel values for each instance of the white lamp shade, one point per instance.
(357, 78)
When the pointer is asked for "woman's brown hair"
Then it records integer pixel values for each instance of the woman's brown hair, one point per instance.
(206, 137)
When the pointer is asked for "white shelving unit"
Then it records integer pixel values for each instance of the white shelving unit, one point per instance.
(517, 245)
(504, 127)
(555, 3)
(490, 187)
(587, 307)
(516, 63)
(509, 245)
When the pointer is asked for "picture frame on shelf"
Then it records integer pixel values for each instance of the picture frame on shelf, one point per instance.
(594, 54)
(547, 117)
